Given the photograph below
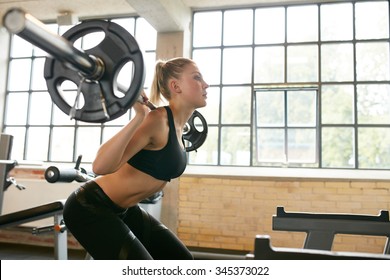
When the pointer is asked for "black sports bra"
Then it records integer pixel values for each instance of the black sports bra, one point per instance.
(165, 164)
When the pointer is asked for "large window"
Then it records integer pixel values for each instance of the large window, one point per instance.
(42, 132)
(296, 85)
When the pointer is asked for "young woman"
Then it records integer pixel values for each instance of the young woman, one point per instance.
(137, 162)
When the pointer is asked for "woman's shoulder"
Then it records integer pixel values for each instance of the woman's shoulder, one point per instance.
(157, 116)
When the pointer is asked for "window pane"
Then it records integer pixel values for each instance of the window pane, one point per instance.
(19, 74)
(302, 64)
(343, 111)
(126, 23)
(149, 62)
(38, 81)
(145, 34)
(338, 147)
(207, 29)
(88, 142)
(265, 18)
(122, 120)
(37, 143)
(336, 22)
(269, 65)
(208, 152)
(302, 23)
(372, 61)
(372, 20)
(16, 108)
(301, 108)
(337, 62)
(373, 104)
(270, 145)
(60, 118)
(234, 143)
(373, 151)
(236, 105)
(109, 132)
(62, 144)
(40, 108)
(270, 108)
(302, 145)
(209, 63)
(20, 47)
(238, 27)
(237, 65)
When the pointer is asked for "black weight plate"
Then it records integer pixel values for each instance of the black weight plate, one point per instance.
(193, 135)
(116, 49)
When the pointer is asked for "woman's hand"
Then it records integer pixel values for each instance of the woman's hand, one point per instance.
(140, 107)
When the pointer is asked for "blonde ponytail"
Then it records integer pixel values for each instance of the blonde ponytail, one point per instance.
(163, 71)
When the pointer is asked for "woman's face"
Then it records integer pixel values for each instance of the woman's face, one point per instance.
(193, 86)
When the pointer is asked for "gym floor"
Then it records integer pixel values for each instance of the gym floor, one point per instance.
(10, 251)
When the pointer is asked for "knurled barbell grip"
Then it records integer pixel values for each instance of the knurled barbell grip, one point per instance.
(146, 102)
(32, 30)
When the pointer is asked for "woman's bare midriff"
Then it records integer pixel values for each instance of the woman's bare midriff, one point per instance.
(128, 186)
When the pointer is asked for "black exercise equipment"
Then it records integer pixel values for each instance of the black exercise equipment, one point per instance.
(53, 209)
(265, 251)
(195, 130)
(94, 71)
(193, 133)
(6, 165)
(321, 227)
(54, 174)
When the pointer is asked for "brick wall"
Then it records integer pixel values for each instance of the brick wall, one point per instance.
(220, 212)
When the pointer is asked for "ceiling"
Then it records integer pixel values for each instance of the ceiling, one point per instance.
(50, 9)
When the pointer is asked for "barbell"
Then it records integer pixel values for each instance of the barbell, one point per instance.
(94, 71)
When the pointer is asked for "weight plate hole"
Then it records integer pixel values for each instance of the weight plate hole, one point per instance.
(68, 92)
(198, 124)
(89, 40)
(123, 79)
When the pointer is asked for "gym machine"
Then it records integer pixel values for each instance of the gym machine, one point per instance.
(53, 209)
(321, 228)
(265, 251)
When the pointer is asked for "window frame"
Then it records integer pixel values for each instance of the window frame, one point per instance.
(355, 82)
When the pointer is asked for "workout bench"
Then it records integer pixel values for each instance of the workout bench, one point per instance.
(321, 228)
(53, 209)
(265, 251)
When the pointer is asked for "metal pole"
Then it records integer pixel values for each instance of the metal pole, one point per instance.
(32, 30)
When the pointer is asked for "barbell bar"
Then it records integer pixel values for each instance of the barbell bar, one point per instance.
(32, 30)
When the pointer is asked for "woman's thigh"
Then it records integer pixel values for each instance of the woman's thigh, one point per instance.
(161, 243)
(100, 231)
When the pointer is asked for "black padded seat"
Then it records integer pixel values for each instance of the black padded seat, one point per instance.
(32, 214)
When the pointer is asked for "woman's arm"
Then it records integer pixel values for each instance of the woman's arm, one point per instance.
(110, 154)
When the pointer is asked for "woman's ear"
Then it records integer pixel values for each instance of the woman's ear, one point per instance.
(174, 86)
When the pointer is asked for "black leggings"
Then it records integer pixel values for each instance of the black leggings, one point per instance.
(109, 232)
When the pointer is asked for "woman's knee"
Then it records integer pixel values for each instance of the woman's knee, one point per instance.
(132, 249)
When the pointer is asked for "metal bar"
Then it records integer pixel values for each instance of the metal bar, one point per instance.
(216, 256)
(60, 240)
(337, 226)
(32, 30)
(5, 152)
(319, 240)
